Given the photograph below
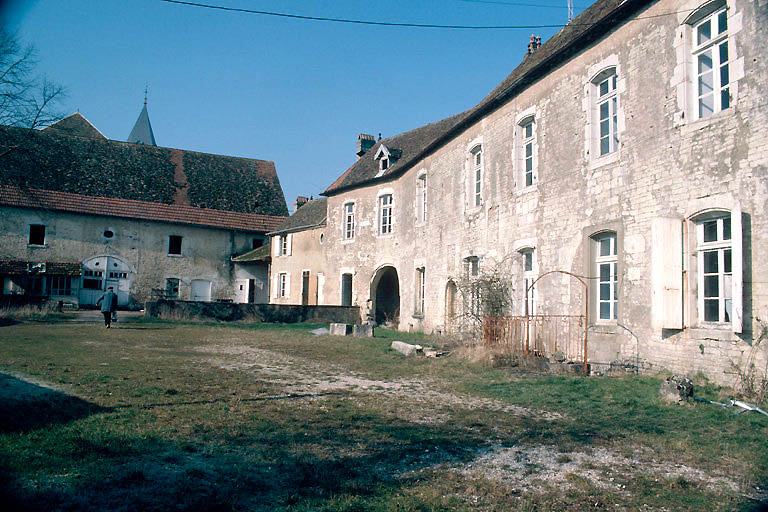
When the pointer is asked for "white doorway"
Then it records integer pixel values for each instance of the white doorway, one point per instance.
(200, 290)
(101, 272)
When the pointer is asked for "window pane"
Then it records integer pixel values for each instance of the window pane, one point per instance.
(722, 22)
(710, 231)
(605, 247)
(603, 88)
(711, 310)
(725, 98)
(605, 272)
(528, 261)
(726, 228)
(528, 150)
(710, 262)
(727, 261)
(711, 286)
(724, 52)
(704, 32)
(528, 130)
(604, 112)
(605, 311)
(728, 308)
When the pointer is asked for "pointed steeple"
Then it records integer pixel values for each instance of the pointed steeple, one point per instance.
(142, 130)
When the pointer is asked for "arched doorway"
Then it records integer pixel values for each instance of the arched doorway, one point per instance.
(101, 272)
(385, 292)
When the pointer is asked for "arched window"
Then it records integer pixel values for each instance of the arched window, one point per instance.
(605, 272)
(476, 156)
(710, 57)
(605, 111)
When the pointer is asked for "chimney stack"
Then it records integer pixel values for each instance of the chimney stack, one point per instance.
(364, 143)
(534, 44)
(300, 201)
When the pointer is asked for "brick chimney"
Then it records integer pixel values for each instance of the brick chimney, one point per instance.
(364, 143)
(300, 201)
(534, 44)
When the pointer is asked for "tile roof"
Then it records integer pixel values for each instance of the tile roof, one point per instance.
(588, 27)
(310, 215)
(262, 253)
(131, 209)
(53, 159)
(58, 268)
(77, 126)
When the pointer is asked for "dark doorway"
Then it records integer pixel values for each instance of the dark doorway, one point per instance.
(305, 288)
(346, 289)
(385, 289)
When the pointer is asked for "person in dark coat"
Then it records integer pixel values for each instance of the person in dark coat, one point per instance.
(108, 305)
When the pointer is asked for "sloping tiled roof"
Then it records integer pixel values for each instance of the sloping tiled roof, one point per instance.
(52, 160)
(310, 215)
(128, 208)
(588, 27)
(77, 126)
(59, 268)
(262, 253)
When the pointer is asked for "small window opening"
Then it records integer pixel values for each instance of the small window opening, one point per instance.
(174, 244)
(36, 234)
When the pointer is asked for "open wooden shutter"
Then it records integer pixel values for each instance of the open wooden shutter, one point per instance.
(737, 262)
(667, 273)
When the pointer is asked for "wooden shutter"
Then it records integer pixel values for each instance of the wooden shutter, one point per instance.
(667, 273)
(737, 262)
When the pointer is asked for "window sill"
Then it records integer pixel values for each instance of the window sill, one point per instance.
(527, 190)
(603, 160)
(37, 246)
(175, 255)
(701, 123)
(420, 316)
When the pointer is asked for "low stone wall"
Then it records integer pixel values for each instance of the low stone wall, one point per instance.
(268, 313)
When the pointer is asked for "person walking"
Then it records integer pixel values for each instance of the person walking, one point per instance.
(108, 305)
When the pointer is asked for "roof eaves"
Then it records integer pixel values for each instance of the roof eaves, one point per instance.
(299, 228)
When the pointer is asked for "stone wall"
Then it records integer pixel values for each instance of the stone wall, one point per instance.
(667, 165)
(268, 313)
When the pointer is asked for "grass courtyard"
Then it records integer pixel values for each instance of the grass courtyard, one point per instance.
(165, 416)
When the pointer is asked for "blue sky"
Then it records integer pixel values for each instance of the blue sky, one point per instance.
(295, 92)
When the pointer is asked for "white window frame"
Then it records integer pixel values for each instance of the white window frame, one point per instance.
(606, 112)
(420, 291)
(721, 247)
(477, 161)
(606, 282)
(528, 257)
(718, 48)
(283, 288)
(348, 212)
(421, 197)
(385, 213)
(527, 157)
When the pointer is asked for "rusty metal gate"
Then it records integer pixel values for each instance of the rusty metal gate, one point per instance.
(542, 335)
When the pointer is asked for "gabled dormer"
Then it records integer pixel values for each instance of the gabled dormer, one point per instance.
(385, 158)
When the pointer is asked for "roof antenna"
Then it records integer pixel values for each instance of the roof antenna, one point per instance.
(570, 10)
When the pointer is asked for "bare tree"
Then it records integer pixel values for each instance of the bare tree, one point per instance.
(26, 100)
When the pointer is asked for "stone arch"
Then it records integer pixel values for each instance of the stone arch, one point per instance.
(385, 294)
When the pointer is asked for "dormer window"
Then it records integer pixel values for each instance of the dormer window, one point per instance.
(383, 164)
(385, 157)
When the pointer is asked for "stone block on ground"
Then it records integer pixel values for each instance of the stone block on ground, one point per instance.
(676, 389)
(340, 329)
(364, 330)
(406, 348)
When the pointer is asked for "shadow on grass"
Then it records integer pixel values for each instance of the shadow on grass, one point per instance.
(25, 406)
(230, 400)
(5, 321)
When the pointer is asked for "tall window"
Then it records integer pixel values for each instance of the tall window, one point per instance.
(420, 289)
(421, 198)
(477, 175)
(472, 270)
(710, 58)
(282, 284)
(715, 272)
(385, 214)
(607, 107)
(283, 246)
(529, 276)
(174, 245)
(36, 234)
(172, 288)
(527, 137)
(606, 263)
(349, 221)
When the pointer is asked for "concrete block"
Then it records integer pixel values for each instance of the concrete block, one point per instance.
(341, 329)
(364, 330)
(406, 348)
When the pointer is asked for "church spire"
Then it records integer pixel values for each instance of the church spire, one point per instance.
(142, 130)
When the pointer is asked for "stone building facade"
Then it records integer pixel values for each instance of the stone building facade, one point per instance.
(630, 150)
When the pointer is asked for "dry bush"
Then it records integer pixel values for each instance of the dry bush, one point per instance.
(752, 371)
(28, 311)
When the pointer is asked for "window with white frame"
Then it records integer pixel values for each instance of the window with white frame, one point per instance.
(421, 198)
(282, 284)
(606, 267)
(385, 214)
(529, 276)
(283, 245)
(527, 151)
(349, 221)
(472, 271)
(710, 57)
(715, 272)
(605, 112)
(476, 156)
(420, 290)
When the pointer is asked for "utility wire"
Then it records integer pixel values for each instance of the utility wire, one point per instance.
(396, 24)
(516, 4)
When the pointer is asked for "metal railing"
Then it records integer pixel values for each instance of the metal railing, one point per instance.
(541, 335)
